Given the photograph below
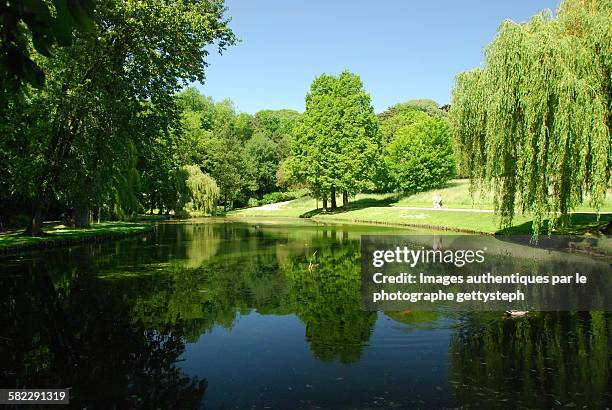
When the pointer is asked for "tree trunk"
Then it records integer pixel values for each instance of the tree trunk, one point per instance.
(333, 198)
(36, 220)
(345, 200)
(81, 217)
(324, 202)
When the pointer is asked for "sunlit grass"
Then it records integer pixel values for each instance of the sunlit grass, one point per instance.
(61, 233)
(393, 209)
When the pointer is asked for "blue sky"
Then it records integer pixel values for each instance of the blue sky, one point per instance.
(402, 49)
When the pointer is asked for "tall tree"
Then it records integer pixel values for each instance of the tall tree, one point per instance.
(533, 124)
(278, 126)
(420, 156)
(336, 140)
(214, 139)
(99, 90)
(46, 26)
(263, 154)
(203, 192)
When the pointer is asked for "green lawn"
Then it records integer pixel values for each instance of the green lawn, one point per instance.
(457, 195)
(463, 221)
(59, 233)
(394, 210)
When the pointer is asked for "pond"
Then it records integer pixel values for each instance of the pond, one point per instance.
(231, 314)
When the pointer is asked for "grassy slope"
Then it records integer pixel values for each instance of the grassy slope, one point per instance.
(388, 209)
(457, 195)
(59, 233)
(461, 221)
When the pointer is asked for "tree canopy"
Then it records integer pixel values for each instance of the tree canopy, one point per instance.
(420, 156)
(336, 141)
(46, 26)
(418, 153)
(533, 124)
(111, 89)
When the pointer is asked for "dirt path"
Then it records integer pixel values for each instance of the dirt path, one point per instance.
(271, 207)
(444, 209)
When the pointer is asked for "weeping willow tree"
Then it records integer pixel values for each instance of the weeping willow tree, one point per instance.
(203, 192)
(533, 124)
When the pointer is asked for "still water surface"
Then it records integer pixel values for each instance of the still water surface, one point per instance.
(268, 315)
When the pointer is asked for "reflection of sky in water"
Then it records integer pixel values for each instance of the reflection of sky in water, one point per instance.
(266, 329)
(265, 360)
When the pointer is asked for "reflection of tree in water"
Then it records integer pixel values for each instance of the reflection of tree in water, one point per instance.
(211, 294)
(249, 274)
(201, 242)
(544, 361)
(327, 299)
(83, 337)
(254, 269)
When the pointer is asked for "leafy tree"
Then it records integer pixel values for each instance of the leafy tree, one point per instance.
(226, 163)
(214, 139)
(397, 117)
(203, 190)
(99, 93)
(262, 153)
(46, 27)
(284, 175)
(244, 126)
(424, 105)
(278, 126)
(190, 99)
(163, 179)
(533, 125)
(420, 157)
(192, 148)
(336, 141)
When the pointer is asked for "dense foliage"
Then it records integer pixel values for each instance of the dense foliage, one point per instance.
(418, 151)
(112, 131)
(203, 192)
(337, 143)
(106, 98)
(241, 152)
(420, 156)
(46, 26)
(533, 124)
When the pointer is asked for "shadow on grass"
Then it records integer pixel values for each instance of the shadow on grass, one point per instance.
(576, 224)
(355, 205)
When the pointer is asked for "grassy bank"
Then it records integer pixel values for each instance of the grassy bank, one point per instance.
(472, 222)
(57, 235)
(461, 212)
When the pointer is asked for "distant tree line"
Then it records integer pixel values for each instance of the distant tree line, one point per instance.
(77, 139)
(341, 146)
(96, 122)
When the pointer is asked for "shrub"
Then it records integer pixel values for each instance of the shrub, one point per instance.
(252, 202)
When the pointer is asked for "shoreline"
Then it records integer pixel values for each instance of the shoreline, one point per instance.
(400, 225)
(472, 221)
(105, 231)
